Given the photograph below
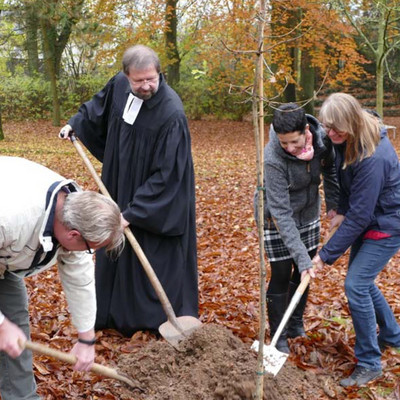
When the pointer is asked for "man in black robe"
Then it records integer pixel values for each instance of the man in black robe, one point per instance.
(137, 128)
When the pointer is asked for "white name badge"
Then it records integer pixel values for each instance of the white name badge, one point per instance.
(132, 108)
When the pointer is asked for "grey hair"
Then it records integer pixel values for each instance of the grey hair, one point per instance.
(96, 217)
(140, 57)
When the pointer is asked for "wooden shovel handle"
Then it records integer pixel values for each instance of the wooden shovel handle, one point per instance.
(71, 359)
(296, 298)
(169, 311)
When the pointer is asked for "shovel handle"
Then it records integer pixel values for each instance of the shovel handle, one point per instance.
(71, 359)
(166, 305)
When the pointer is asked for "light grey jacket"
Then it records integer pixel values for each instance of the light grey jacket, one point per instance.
(292, 189)
(23, 218)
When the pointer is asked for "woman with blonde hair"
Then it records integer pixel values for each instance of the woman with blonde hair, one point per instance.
(368, 220)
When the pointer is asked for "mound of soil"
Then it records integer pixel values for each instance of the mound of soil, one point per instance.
(212, 364)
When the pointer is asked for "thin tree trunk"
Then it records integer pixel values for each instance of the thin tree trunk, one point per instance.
(1, 127)
(31, 41)
(379, 57)
(173, 68)
(289, 95)
(258, 119)
(48, 50)
(307, 82)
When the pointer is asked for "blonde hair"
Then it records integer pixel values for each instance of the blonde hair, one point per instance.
(343, 113)
(96, 217)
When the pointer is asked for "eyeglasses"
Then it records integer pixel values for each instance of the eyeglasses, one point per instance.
(141, 82)
(328, 128)
(89, 250)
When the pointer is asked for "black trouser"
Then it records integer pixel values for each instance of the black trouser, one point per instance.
(284, 272)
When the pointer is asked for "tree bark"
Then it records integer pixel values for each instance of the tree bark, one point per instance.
(31, 41)
(171, 45)
(1, 127)
(307, 83)
(379, 58)
(48, 37)
(54, 44)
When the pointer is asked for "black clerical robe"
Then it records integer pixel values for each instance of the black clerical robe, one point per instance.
(148, 170)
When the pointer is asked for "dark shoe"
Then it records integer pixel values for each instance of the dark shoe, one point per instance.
(360, 376)
(295, 325)
(282, 345)
(276, 306)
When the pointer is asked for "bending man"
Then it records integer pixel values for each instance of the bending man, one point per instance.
(47, 219)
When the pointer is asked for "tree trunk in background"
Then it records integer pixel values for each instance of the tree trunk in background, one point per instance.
(171, 23)
(31, 41)
(49, 39)
(307, 82)
(1, 127)
(289, 95)
(54, 43)
(380, 55)
(293, 52)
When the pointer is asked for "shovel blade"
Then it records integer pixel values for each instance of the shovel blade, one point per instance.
(173, 336)
(273, 359)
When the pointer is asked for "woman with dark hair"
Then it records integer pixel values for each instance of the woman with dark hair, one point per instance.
(368, 218)
(296, 155)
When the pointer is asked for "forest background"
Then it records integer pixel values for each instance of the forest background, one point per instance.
(55, 54)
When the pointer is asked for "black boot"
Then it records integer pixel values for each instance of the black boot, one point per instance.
(276, 305)
(295, 325)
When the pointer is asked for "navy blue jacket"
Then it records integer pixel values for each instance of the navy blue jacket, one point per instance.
(369, 197)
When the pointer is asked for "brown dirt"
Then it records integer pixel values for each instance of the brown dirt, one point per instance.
(213, 364)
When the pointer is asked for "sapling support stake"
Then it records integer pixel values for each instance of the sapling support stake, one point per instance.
(258, 122)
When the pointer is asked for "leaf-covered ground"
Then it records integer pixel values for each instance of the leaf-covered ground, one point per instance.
(224, 155)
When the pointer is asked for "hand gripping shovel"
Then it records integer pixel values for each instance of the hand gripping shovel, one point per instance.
(176, 328)
(273, 358)
(71, 359)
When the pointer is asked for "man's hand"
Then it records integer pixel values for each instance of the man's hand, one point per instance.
(85, 355)
(66, 132)
(124, 222)
(84, 352)
(9, 336)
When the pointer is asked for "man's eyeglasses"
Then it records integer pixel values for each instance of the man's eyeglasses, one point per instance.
(141, 82)
(89, 250)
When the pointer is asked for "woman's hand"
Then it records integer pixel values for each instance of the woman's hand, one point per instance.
(336, 221)
(309, 271)
(318, 263)
(331, 214)
(308, 151)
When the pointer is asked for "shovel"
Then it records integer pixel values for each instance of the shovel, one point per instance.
(71, 359)
(273, 358)
(176, 328)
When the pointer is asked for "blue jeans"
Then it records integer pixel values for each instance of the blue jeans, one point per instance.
(367, 305)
